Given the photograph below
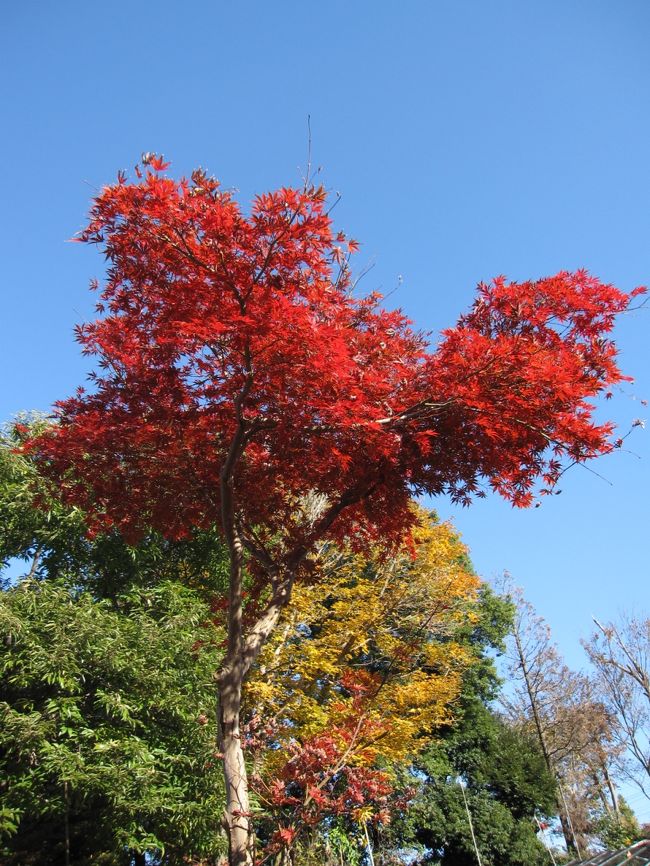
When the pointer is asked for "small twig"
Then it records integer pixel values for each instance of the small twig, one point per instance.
(307, 176)
(363, 274)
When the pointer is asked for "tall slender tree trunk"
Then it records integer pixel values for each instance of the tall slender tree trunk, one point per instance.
(237, 817)
(66, 822)
(567, 832)
(241, 655)
(612, 791)
(242, 652)
(600, 792)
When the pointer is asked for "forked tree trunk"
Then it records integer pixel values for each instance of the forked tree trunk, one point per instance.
(244, 648)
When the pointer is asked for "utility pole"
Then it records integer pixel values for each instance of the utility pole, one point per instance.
(469, 821)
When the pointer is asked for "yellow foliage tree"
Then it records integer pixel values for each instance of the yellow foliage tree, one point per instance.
(377, 640)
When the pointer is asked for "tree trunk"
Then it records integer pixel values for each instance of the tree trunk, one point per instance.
(284, 858)
(612, 791)
(66, 822)
(237, 818)
(569, 841)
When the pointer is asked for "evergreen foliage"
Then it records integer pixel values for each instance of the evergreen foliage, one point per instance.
(107, 717)
(107, 725)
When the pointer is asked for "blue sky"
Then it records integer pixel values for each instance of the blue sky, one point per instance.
(468, 139)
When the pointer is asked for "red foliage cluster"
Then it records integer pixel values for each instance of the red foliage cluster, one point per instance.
(330, 774)
(215, 322)
(317, 781)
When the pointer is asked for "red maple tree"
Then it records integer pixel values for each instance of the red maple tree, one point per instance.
(240, 377)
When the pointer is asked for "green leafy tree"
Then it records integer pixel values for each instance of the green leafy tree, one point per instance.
(107, 726)
(618, 830)
(107, 721)
(505, 784)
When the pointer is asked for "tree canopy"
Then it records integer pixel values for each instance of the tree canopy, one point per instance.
(221, 328)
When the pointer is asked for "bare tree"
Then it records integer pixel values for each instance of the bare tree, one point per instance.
(558, 706)
(620, 654)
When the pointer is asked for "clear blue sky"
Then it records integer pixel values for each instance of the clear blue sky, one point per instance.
(468, 139)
